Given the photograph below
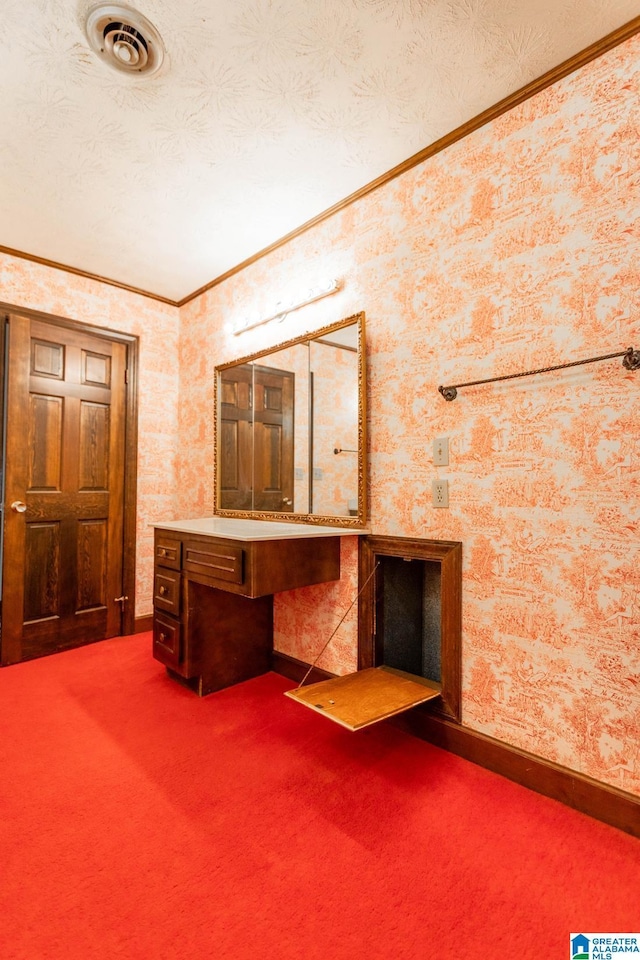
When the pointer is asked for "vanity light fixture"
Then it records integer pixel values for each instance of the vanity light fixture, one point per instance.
(283, 307)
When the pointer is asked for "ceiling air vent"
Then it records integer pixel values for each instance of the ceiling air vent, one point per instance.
(124, 39)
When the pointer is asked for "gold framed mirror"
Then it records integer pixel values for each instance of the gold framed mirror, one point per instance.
(290, 430)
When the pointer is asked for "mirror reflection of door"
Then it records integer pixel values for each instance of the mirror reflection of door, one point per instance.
(236, 437)
(256, 438)
(273, 439)
(297, 431)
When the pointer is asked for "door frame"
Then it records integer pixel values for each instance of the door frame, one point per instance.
(132, 342)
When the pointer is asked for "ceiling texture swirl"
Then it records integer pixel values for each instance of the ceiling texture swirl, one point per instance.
(263, 114)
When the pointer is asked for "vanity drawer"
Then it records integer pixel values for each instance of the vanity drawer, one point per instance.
(214, 559)
(166, 590)
(166, 641)
(168, 552)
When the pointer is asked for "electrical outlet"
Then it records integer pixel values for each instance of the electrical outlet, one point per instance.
(317, 473)
(441, 451)
(299, 473)
(440, 493)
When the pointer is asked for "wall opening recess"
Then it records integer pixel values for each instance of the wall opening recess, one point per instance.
(409, 635)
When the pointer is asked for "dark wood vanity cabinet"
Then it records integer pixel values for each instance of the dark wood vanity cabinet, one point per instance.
(213, 601)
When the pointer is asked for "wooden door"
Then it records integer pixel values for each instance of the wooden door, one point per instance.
(272, 439)
(256, 438)
(64, 489)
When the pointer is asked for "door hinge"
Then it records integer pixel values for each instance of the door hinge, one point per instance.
(126, 375)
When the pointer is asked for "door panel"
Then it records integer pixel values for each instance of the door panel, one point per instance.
(92, 564)
(63, 556)
(45, 442)
(236, 438)
(42, 558)
(273, 418)
(47, 359)
(94, 446)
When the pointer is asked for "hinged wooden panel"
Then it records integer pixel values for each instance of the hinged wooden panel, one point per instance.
(440, 567)
(63, 560)
(369, 696)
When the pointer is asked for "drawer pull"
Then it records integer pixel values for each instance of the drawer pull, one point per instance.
(162, 552)
(163, 591)
(163, 638)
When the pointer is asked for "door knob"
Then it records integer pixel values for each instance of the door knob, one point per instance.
(19, 506)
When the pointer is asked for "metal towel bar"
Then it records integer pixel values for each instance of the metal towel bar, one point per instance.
(631, 361)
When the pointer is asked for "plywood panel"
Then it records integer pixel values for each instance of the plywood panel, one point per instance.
(361, 699)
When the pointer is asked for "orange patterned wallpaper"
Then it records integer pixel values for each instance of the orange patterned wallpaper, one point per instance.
(516, 248)
(34, 286)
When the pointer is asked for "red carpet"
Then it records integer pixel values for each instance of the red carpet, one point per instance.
(139, 821)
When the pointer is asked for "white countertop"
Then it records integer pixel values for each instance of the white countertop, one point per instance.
(231, 529)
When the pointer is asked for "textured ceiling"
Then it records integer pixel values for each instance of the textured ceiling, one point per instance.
(265, 113)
